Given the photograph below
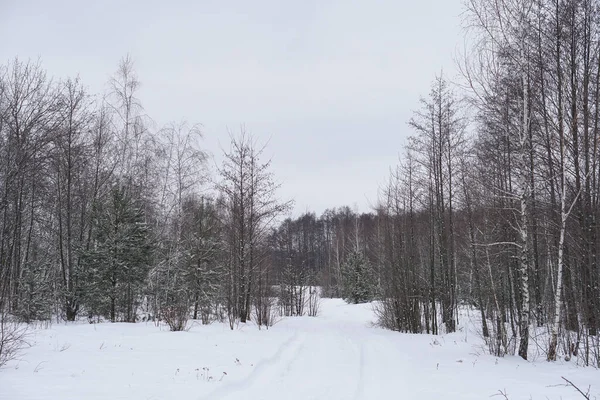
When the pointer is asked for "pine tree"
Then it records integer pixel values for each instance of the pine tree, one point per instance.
(189, 272)
(358, 279)
(36, 288)
(118, 262)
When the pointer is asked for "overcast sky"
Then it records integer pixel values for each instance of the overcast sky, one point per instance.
(330, 84)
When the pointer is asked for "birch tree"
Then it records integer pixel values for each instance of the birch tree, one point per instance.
(248, 195)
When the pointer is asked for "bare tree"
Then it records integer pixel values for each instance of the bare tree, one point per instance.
(70, 154)
(248, 196)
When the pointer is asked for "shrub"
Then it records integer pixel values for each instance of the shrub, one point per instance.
(13, 338)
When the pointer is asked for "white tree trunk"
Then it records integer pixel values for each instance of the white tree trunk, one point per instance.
(523, 229)
(558, 299)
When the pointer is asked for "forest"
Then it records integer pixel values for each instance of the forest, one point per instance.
(493, 206)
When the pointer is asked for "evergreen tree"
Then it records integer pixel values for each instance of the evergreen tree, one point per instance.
(358, 279)
(189, 272)
(204, 271)
(119, 260)
(36, 288)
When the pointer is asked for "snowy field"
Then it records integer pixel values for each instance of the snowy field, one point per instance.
(338, 355)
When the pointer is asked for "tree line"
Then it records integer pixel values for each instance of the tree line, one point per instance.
(103, 216)
(495, 201)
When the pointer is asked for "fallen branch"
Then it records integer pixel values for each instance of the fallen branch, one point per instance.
(571, 384)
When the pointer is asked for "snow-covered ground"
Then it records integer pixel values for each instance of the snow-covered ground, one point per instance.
(338, 355)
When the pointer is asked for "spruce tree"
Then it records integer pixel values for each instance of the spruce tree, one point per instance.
(119, 260)
(358, 279)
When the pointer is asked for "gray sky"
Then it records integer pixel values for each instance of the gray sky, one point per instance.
(330, 84)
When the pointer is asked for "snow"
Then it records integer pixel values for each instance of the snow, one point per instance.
(338, 355)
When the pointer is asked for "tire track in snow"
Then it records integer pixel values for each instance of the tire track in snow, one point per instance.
(359, 392)
(288, 364)
(384, 369)
(267, 369)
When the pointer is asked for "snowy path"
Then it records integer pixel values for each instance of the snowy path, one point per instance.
(341, 356)
(336, 356)
(312, 366)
